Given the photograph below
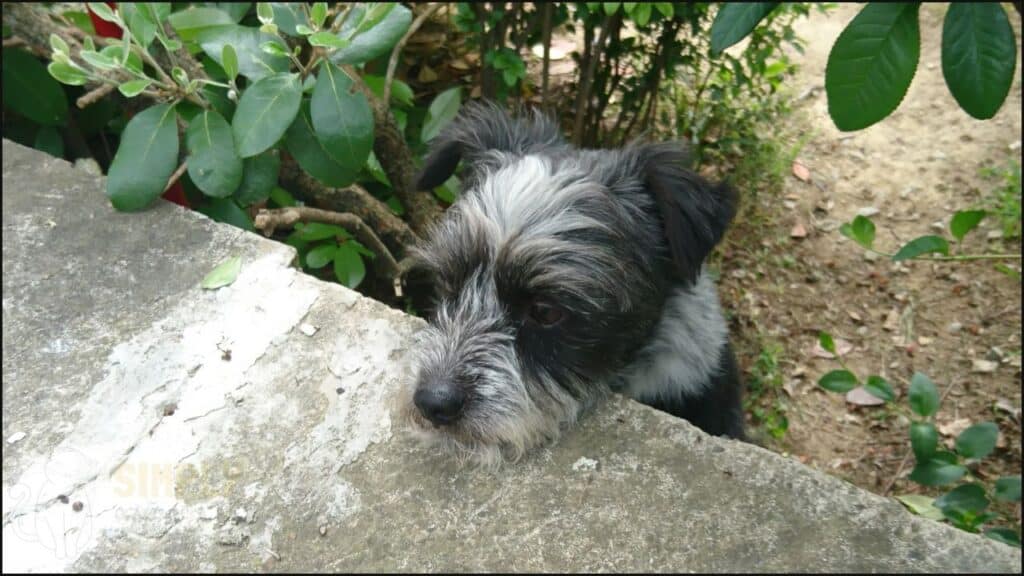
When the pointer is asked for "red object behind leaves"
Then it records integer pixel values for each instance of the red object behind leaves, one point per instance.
(104, 28)
(176, 194)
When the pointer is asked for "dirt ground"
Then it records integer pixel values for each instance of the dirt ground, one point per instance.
(912, 171)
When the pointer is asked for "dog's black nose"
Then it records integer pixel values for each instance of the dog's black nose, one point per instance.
(440, 404)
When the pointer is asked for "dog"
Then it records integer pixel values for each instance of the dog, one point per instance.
(562, 275)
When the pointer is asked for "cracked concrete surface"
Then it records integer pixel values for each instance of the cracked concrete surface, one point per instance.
(150, 425)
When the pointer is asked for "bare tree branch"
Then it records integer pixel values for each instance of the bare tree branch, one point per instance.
(267, 221)
(393, 61)
(93, 96)
(395, 233)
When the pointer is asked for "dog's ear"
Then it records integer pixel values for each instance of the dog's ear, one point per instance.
(695, 212)
(480, 128)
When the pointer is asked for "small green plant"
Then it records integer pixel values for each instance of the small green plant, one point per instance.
(966, 505)
(321, 244)
(930, 247)
(764, 399)
(273, 79)
(1004, 200)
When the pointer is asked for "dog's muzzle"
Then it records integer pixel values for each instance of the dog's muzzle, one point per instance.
(439, 402)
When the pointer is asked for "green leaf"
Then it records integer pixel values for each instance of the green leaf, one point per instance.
(665, 8)
(156, 11)
(140, 22)
(448, 191)
(401, 93)
(116, 53)
(965, 221)
(253, 62)
(734, 21)
(102, 10)
(936, 473)
(264, 12)
(189, 23)
(81, 21)
(642, 13)
(213, 165)
(840, 381)
(281, 197)
(921, 505)
(264, 112)
(924, 438)
(827, 343)
(923, 397)
(31, 91)
(98, 61)
(1008, 489)
(442, 110)
(145, 159)
(611, 7)
(311, 154)
(318, 14)
(275, 48)
(373, 16)
(978, 441)
(879, 388)
(287, 15)
(321, 255)
(861, 231)
(58, 44)
(63, 73)
(376, 41)
(225, 210)
(229, 60)
(133, 88)
(49, 140)
(313, 231)
(342, 118)
(223, 275)
(871, 64)
(348, 266)
(968, 497)
(237, 10)
(1004, 535)
(922, 245)
(179, 75)
(979, 55)
(327, 40)
(259, 176)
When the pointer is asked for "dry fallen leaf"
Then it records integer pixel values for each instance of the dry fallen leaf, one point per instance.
(859, 396)
(798, 231)
(984, 366)
(801, 172)
(954, 428)
(843, 347)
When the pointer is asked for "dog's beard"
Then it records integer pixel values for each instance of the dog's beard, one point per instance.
(512, 408)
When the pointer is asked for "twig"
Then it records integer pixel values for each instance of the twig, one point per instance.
(267, 221)
(393, 61)
(548, 8)
(583, 96)
(14, 41)
(93, 96)
(177, 174)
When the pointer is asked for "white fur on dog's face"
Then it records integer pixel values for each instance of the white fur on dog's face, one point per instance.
(539, 222)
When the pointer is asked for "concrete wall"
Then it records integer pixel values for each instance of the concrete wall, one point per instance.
(133, 440)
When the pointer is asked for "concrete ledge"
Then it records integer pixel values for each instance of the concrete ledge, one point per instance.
(152, 425)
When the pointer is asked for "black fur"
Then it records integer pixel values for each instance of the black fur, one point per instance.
(660, 220)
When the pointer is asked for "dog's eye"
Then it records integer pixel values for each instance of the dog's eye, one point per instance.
(545, 314)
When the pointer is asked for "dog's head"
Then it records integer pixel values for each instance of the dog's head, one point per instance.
(551, 271)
